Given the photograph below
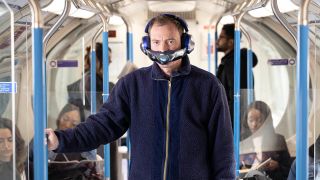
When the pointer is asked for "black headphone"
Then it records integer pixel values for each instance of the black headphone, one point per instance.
(186, 41)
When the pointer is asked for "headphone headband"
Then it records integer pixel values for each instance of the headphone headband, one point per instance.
(174, 17)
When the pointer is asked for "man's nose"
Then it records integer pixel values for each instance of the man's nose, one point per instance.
(163, 47)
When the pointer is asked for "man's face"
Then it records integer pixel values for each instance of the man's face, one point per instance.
(224, 43)
(163, 38)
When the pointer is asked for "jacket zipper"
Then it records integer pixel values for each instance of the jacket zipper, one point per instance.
(167, 132)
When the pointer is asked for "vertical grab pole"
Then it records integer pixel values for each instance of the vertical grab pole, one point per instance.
(236, 92)
(40, 156)
(93, 72)
(62, 18)
(129, 39)
(215, 49)
(130, 59)
(105, 42)
(302, 93)
(209, 49)
(250, 76)
(131, 46)
(249, 67)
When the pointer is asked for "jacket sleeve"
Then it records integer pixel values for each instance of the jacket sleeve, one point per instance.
(104, 127)
(221, 138)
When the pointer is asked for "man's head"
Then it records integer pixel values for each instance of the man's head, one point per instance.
(167, 39)
(99, 58)
(225, 42)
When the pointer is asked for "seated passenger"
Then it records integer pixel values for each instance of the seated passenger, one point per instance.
(260, 142)
(6, 151)
(69, 117)
(314, 162)
(65, 165)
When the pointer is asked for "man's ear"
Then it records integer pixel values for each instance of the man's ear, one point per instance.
(230, 43)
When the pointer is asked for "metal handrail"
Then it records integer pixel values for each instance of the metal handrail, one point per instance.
(36, 13)
(282, 20)
(246, 34)
(62, 18)
(303, 14)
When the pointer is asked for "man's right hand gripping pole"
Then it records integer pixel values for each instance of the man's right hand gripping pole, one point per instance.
(52, 139)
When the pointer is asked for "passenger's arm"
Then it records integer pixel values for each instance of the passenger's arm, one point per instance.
(104, 127)
(221, 138)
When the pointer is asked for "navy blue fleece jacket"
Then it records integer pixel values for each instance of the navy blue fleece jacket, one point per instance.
(179, 127)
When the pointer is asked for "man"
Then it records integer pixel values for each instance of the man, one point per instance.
(225, 72)
(177, 114)
(75, 89)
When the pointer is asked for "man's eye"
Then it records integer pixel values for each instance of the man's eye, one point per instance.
(171, 41)
(10, 139)
(155, 42)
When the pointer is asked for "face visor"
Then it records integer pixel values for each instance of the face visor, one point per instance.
(166, 56)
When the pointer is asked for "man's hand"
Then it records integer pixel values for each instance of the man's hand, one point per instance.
(52, 139)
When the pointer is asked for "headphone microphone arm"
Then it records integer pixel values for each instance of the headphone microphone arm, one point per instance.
(166, 56)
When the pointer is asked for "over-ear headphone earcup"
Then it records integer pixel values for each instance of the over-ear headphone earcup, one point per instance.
(145, 44)
(186, 42)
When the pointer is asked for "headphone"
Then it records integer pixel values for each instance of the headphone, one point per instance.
(187, 43)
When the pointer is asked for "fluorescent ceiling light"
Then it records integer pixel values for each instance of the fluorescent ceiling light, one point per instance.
(57, 7)
(171, 6)
(227, 20)
(284, 7)
(116, 20)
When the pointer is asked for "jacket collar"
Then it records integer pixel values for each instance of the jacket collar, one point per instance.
(158, 74)
(227, 56)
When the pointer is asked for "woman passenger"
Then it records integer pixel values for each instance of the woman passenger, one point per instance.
(260, 142)
(6, 151)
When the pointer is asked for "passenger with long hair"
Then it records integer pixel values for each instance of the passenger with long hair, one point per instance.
(6, 151)
(260, 142)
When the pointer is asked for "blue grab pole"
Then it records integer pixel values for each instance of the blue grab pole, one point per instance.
(93, 82)
(237, 98)
(128, 46)
(45, 107)
(249, 76)
(209, 52)
(105, 97)
(216, 52)
(131, 47)
(302, 103)
(39, 153)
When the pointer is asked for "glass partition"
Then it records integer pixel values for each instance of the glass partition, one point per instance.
(314, 121)
(265, 147)
(16, 127)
